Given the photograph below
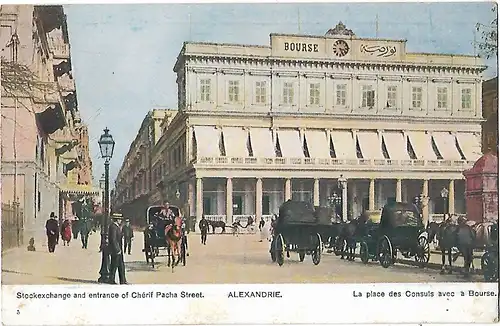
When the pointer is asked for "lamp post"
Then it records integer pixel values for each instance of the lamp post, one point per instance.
(102, 185)
(342, 184)
(444, 196)
(106, 145)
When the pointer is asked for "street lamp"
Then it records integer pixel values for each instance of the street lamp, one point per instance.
(106, 145)
(444, 195)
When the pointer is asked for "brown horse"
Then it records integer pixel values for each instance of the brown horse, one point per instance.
(173, 233)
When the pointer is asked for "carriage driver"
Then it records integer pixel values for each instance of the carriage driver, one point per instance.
(166, 212)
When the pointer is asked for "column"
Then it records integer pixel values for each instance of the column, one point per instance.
(229, 201)
(354, 200)
(399, 193)
(316, 192)
(425, 201)
(451, 197)
(190, 199)
(288, 189)
(371, 195)
(199, 199)
(344, 202)
(258, 199)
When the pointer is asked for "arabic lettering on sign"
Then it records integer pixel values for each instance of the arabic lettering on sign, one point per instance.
(378, 50)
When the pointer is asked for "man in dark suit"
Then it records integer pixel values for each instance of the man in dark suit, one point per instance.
(128, 235)
(203, 225)
(52, 229)
(115, 250)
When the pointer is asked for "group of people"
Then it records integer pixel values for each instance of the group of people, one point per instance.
(65, 231)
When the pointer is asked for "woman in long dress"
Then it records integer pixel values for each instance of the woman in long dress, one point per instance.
(66, 232)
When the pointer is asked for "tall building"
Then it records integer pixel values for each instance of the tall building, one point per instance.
(41, 148)
(134, 183)
(318, 117)
(490, 114)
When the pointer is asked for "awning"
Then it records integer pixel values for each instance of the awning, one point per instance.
(343, 143)
(395, 143)
(235, 141)
(422, 145)
(446, 145)
(370, 145)
(318, 144)
(470, 145)
(291, 145)
(262, 142)
(207, 141)
(79, 189)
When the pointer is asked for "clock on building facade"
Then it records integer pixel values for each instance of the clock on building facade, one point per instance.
(340, 48)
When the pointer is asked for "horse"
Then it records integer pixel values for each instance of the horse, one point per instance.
(174, 237)
(217, 224)
(347, 236)
(461, 236)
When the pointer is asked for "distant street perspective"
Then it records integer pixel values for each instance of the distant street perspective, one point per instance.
(329, 143)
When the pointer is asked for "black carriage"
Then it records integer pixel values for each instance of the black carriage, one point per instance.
(296, 230)
(489, 260)
(400, 229)
(154, 234)
(329, 227)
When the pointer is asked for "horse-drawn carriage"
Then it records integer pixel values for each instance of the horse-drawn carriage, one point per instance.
(489, 260)
(400, 228)
(296, 230)
(155, 237)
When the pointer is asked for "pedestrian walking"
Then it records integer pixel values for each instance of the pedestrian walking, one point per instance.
(75, 227)
(128, 236)
(66, 232)
(262, 229)
(115, 250)
(52, 229)
(85, 229)
(203, 225)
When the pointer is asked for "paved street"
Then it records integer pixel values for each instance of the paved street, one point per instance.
(225, 259)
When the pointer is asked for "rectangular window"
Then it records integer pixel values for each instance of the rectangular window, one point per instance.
(416, 97)
(260, 92)
(288, 93)
(341, 94)
(392, 94)
(466, 98)
(234, 91)
(314, 94)
(442, 97)
(205, 85)
(368, 96)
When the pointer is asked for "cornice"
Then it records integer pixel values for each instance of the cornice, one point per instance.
(331, 63)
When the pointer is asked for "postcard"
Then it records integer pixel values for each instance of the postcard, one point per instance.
(253, 163)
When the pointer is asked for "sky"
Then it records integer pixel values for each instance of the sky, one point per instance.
(123, 54)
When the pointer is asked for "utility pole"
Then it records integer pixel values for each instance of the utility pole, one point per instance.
(14, 42)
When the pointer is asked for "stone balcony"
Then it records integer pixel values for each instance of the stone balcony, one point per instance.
(59, 50)
(66, 84)
(332, 163)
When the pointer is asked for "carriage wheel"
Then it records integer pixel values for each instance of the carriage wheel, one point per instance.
(385, 253)
(280, 250)
(272, 250)
(339, 246)
(363, 252)
(489, 267)
(302, 255)
(423, 253)
(316, 254)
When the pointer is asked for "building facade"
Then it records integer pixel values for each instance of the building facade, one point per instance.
(41, 147)
(490, 114)
(134, 184)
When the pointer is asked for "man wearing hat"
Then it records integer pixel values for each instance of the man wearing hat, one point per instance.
(52, 229)
(128, 235)
(115, 250)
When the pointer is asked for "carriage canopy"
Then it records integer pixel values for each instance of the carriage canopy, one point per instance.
(296, 212)
(399, 215)
(323, 215)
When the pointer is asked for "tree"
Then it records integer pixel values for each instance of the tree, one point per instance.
(488, 47)
(18, 81)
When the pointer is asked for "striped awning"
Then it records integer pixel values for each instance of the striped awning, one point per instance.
(78, 189)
